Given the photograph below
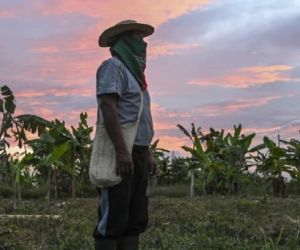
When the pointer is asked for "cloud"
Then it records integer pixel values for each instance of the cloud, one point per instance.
(159, 48)
(165, 119)
(249, 76)
(46, 49)
(260, 130)
(248, 64)
(174, 143)
(64, 91)
(235, 106)
(112, 11)
(6, 14)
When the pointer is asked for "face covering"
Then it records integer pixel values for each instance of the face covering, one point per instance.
(131, 50)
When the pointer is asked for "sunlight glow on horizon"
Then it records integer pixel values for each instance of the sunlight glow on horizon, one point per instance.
(209, 62)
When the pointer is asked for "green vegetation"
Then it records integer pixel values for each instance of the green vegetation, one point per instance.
(223, 161)
(176, 222)
(236, 188)
(57, 159)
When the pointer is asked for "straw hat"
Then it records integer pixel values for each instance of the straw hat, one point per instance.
(123, 26)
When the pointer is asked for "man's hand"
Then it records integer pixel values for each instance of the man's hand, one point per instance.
(124, 163)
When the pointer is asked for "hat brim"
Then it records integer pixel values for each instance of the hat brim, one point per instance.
(106, 37)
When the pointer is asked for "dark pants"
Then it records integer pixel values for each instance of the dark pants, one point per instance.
(123, 209)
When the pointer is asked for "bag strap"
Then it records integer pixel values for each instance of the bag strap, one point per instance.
(140, 110)
(141, 106)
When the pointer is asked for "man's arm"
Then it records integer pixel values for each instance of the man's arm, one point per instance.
(108, 106)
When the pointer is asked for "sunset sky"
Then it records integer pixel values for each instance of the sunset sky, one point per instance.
(212, 62)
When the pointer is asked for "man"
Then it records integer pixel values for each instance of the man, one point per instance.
(123, 210)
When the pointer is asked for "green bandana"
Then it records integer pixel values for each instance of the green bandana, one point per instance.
(131, 50)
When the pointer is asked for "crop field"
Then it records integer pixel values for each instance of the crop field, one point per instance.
(48, 202)
(176, 222)
(205, 111)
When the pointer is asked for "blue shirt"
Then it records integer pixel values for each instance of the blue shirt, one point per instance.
(114, 77)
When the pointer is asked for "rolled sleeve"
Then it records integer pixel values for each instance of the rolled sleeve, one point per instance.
(109, 78)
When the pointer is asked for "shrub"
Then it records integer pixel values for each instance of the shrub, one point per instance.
(174, 191)
(33, 193)
(293, 187)
(6, 191)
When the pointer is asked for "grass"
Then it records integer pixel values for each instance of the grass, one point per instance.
(176, 222)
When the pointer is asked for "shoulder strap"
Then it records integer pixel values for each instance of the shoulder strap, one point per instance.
(141, 106)
(140, 110)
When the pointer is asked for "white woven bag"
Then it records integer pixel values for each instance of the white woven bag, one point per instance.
(102, 169)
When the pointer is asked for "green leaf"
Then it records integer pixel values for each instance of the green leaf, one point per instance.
(1, 105)
(247, 140)
(197, 144)
(187, 149)
(257, 148)
(237, 131)
(33, 123)
(211, 175)
(8, 99)
(269, 143)
(47, 138)
(9, 104)
(57, 153)
(184, 131)
(154, 145)
(6, 91)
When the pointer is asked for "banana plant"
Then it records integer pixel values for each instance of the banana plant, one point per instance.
(7, 109)
(82, 146)
(47, 152)
(13, 128)
(222, 158)
(236, 149)
(60, 151)
(272, 162)
(199, 158)
(161, 160)
(293, 154)
(157, 152)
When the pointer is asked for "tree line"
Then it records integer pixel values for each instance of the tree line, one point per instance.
(57, 159)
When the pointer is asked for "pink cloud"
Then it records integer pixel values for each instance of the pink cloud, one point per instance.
(85, 41)
(6, 14)
(157, 112)
(62, 69)
(272, 68)
(158, 49)
(66, 91)
(71, 117)
(55, 54)
(216, 110)
(74, 115)
(165, 119)
(75, 91)
(28, 93)
(263, 131)
(285, 133)
(46, 49)
(112, 11)
(173, 143)
(249, 76)
(44, 112)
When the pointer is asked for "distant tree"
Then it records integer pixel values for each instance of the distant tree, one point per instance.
(272, 161)
(293, 154)
(222, 159)
(161, 160)
(199, 159)
(61, 155)
(7, 109)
